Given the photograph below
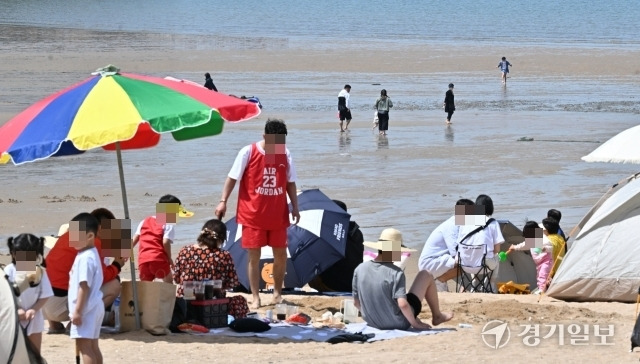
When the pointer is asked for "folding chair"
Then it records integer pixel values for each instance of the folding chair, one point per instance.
(473, 274)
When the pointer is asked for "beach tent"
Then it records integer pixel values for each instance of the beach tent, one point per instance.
(13, 346)
(519, 266)
(603, 263)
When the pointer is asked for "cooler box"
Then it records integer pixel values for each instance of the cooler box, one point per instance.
(209, 313)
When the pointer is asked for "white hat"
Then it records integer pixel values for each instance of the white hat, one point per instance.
(390, 240)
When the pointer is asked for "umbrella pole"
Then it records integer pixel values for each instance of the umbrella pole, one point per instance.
(132, 265)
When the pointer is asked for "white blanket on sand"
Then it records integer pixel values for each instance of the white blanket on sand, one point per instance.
(308, 332)
(389, 334)
(283, 330)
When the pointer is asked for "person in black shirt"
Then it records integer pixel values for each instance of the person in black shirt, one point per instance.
(449, 104)
(208, 82)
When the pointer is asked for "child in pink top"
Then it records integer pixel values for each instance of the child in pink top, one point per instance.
(533, 236)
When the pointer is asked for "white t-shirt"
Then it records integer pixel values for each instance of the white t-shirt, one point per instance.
(443, 240)
(169, 231)
(490, 236)
(242, 159)
(29, 297)
(86, 268)
(345, 94)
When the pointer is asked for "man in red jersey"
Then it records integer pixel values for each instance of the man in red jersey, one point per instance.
(267, 175)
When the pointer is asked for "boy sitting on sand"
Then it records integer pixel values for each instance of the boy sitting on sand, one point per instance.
(379, 289)
(85, 298)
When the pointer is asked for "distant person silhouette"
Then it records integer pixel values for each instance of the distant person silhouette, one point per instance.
(504, 68)
(449, 104)
(208, 82)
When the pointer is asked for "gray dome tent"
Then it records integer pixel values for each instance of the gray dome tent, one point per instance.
(603, 262)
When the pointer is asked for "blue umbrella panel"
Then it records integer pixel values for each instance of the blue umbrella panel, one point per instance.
(319, 240)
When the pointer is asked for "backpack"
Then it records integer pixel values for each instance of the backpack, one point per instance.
(472, 253)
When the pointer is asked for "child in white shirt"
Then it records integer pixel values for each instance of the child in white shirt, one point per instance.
(86, 309)
(26, 258)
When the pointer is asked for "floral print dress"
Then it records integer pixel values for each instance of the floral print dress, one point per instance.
(197, 263)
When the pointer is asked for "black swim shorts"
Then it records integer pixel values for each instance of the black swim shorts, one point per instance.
(415, 303)
(345, 114)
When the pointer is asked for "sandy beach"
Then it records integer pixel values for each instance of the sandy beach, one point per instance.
(475, 309)
(409, 180)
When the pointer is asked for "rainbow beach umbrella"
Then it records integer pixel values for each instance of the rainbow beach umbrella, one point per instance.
(113, 107)
(117, 111)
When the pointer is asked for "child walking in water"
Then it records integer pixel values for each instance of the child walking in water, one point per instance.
(27, 257)
(504, 69)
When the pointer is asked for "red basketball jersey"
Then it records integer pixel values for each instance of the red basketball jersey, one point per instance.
(262, 196)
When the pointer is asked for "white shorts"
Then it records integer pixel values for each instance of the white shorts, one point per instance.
(91, 324)
(55, 309)
(438, 266)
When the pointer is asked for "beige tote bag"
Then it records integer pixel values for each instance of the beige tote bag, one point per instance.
(156, 301)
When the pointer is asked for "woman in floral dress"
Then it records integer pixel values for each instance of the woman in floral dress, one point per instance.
(205, 260)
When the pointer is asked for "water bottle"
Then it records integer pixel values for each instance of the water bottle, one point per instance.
(116, 312)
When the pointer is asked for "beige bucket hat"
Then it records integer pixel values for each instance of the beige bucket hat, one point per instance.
(390, 240)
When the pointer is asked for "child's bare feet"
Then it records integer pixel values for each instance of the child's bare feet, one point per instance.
(443, 317)
(255, 304)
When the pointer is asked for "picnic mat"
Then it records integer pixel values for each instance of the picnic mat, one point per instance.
(283, 330)
(390, 334)
(308, 332)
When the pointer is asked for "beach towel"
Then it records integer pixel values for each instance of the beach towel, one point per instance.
(323, 334)
(283, 330)
(363, 328)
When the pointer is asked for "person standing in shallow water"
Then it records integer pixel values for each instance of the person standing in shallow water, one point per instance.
(344, 109)
(504, 68)
(382, 105)
(449, 103)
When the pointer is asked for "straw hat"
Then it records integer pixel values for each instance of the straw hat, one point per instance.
(390, 240)
(51, 240)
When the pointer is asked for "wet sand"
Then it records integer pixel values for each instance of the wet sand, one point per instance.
(410, 179)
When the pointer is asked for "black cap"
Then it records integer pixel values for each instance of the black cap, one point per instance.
(450, 85)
